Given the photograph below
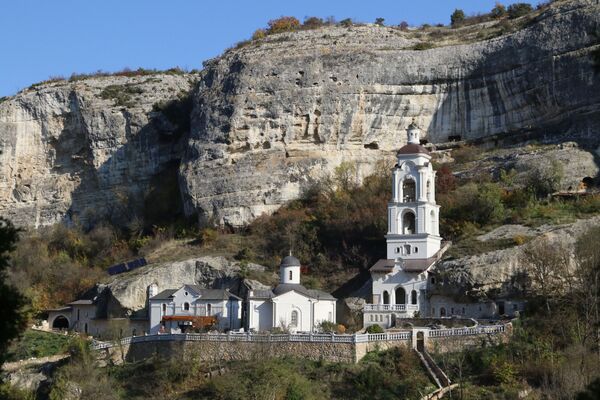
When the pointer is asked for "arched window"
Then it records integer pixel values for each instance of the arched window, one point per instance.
(408, 223)
(413, 297)
(294, 320)
(290, 275)
(85, 328)
(164, 309)
(407, 249)
(400, 295)
(442, 312)
(78, 315)
(386, 297)
(429, 197)
(409, 190)
(186, 306)
(208, 309)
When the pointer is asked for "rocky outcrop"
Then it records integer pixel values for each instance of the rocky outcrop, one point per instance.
(277, 114)
(500, 272)
(88, 149)
(271, 117)
(127, 294)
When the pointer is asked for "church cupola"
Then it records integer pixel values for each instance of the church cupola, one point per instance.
(413, 213)
(289, 270)
(413, 133)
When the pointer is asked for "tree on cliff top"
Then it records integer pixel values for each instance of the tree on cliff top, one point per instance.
(12, 316)
(457, 17)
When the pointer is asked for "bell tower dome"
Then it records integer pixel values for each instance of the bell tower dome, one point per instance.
(289, 270)
(413, 214)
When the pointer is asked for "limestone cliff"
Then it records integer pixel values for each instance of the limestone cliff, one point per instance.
(272, 116)
(279, 112)
(87, 149)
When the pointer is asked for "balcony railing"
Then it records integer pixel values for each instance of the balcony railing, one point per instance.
(390, 308)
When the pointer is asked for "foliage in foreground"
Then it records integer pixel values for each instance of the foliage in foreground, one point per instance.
(381, 375)
(12, 303)
(38, 344)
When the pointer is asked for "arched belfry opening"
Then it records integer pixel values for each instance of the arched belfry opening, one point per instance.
(408, 223)
(386, 297)
(409, 190)
(400, 295)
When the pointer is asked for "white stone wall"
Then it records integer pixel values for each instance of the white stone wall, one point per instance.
(488, 309)
(82, 317)
(285, 304)
(260, 315)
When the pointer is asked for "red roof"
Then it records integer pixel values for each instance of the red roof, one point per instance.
(413, 148)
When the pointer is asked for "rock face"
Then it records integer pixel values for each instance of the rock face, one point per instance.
(274, 115)
(87, 149)
(127, 294)
(498, 271)
(269, 118)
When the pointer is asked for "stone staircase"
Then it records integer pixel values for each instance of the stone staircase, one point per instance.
(436, 374)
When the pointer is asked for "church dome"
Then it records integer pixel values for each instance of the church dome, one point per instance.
(412, 148)
(290, 261)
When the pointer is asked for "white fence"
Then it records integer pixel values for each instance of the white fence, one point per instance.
(477, 330)
(390, 307)
(302, 337)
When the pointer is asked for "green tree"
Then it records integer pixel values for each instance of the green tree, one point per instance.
(457, 17)
(379, 21)
(12, 303)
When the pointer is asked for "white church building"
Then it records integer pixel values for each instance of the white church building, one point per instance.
(190, 307)
(399, 282)
(289, 306)
(402, 282)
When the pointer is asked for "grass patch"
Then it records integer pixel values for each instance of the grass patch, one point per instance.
(472, 246)
(121, 94)
(38, 344)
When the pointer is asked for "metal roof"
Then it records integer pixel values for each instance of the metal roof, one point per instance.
(288, 287)
(290, 261)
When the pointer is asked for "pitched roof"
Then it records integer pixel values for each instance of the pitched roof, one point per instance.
(383, 265)
(81, 302)
(283, 288)
(209, 294)
(164, 295)
(261, 294)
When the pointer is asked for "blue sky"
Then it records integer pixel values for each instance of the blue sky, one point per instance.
(43, 38)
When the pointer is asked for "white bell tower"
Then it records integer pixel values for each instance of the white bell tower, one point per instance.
(413, 215)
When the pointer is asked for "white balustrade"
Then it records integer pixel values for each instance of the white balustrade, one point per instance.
(302, 337)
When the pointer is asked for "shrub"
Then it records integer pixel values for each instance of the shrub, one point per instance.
(457, 17)
(423, 46)
(403, 26)
(259, 34)
(379, 21)
(208, 235)
(544, 178)
(375, 329)
(313, 22)
(518, 10)
(346, 23)
(465, 154)
(283, 24)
